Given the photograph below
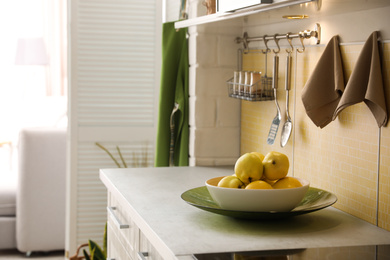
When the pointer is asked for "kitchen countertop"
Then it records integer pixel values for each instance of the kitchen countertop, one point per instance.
(154, 197)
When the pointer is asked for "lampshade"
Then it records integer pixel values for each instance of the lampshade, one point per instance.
(31, 51)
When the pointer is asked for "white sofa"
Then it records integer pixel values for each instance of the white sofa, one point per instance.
(7, 211)
(37, 220)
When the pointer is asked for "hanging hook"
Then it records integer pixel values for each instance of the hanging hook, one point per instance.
(301, 37)
(266, 45)
(290, 42)
(245, 42)
(277, 44)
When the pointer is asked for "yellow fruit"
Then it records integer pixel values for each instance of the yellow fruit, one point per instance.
(231, 182)
(275, 166)
(260, 155)
(268, 181)
(287, 183)
(248, 168)
(258, 185)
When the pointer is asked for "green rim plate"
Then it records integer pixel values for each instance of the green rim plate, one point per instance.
(315, 199)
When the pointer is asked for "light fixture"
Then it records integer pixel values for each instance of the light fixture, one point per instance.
(295, 16)
(31, 54)
(31, 51)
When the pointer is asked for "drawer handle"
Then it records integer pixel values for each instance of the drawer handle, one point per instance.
(143, 255)
(117, 221)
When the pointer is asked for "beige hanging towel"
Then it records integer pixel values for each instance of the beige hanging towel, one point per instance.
(366, 82)
(323, 90)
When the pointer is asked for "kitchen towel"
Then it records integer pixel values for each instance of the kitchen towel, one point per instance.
(323, 90)
(173, 89)
(366, 82)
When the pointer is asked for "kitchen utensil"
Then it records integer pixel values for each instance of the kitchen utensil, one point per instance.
(172, 143)
(315, 199)
(276, 121)
(287, 127)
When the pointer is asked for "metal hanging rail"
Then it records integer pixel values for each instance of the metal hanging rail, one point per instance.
(306, 34)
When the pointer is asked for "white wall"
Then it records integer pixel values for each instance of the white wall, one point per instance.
(214, 117)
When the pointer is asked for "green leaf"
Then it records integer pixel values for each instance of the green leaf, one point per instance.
(120, 156)
(97, 251)
(110, 154)
(93, 253)
(86, 255)
(105, 241)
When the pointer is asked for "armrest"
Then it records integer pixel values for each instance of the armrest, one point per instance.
(40, 207)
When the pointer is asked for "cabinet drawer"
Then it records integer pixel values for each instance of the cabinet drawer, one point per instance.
(115, 249)
(147, 250)
(127, 234)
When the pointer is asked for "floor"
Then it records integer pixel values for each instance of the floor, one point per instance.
(15, 255)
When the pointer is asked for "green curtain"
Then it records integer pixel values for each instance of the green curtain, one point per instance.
(174, 88)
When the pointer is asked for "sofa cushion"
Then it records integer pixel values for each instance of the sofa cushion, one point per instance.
(7, 233)
(8, 184)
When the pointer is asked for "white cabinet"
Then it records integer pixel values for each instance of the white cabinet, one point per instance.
(122, 232)
(116, 247)
(125, 241)
(147, 249)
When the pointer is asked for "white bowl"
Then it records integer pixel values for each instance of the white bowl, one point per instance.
(259, 200)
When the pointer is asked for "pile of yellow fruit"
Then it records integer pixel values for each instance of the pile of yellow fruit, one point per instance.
(256, 171)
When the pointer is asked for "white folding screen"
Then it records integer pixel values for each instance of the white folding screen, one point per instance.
(114, 71)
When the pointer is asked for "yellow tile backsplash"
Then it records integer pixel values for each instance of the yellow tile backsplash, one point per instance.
(343, 157)
(384, 169)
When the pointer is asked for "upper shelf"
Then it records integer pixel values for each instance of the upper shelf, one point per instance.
(239, 13)
(314, 8)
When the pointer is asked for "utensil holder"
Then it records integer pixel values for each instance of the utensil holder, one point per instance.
(261, 90)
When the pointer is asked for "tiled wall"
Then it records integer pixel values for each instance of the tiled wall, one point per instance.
(384, 168)
(350, 157)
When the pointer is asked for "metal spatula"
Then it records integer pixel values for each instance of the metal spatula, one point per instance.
(276, 121)
(287, 127)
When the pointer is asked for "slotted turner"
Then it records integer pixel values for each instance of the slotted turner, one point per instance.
(276, 121)
(287, 127)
